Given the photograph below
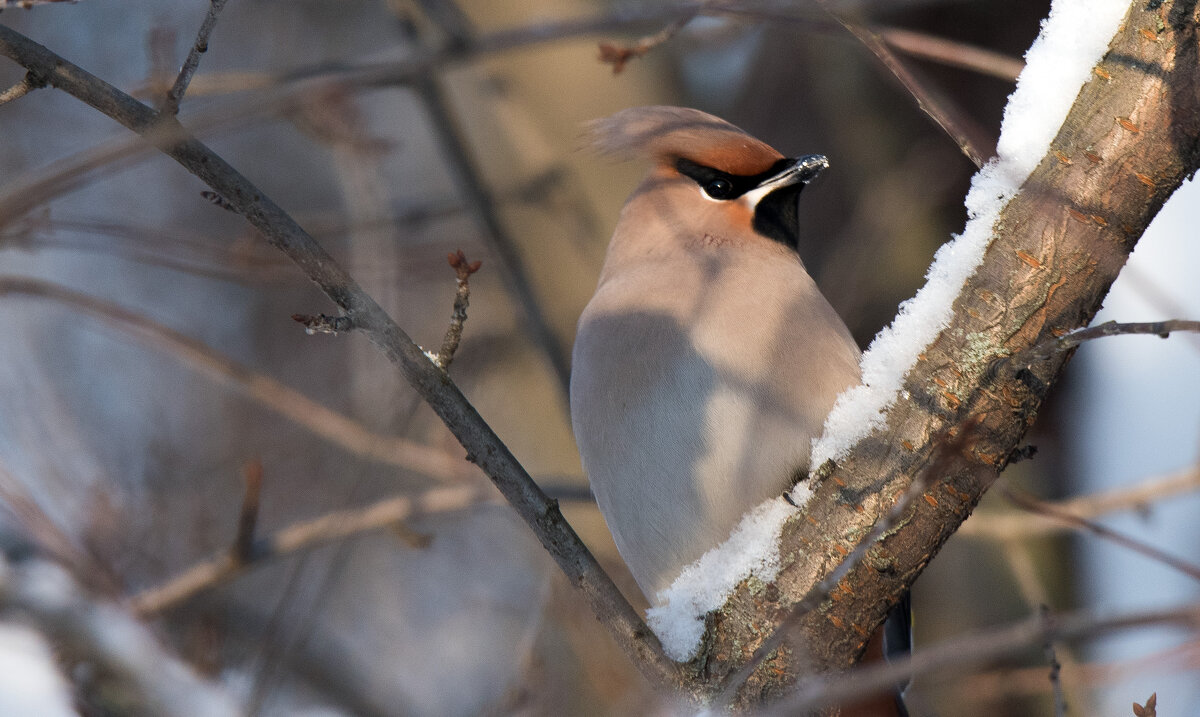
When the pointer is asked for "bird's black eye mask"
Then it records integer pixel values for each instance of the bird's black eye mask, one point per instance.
(723, 185)
(775, 216)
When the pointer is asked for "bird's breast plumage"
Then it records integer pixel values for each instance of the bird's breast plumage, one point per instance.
(702, 372)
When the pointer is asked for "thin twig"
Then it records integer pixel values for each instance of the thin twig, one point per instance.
(1032, 504)
(1023, 525)
(971, 651)
(1047, 349)
(170, 105)
(952, 53)
(465, 173)
(274, 395)
(243, 543)
(27, 84)
(463, 270)
(618, 55)
(934, 104)
(303, 535)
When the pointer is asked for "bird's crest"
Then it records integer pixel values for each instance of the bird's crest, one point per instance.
(666, 133)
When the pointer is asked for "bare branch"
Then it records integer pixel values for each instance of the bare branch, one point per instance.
(969, 138)
(970, 652)
(1031, 525)
(952, 53)
(170, 105)
(482, 444)
(1033, 505)
(1046, 349)
(303, 535)
(618, 55)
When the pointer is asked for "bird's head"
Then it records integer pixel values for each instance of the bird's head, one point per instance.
(710, 171)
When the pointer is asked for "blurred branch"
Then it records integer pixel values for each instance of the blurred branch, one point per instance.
(970, 652)
(1139, 497)
(465, 172)
(1033, 505)
(618, 55)
(483, 446)
(952, 53)
(1005, 684)
(243, 543)
(278, 397)
(937, 105)
(82, 627)
(200, 46)
(303, 535)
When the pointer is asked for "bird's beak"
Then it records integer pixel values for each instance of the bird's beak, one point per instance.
(800, 170)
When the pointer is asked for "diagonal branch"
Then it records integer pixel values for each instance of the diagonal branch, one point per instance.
(1131, 137)
(483, 446)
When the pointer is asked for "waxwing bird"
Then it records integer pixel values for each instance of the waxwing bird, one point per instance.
(707, 360)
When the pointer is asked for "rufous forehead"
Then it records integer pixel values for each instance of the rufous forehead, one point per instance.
(669, 133)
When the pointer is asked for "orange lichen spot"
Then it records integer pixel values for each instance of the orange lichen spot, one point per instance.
(1092, 157)
(906, 445)
(862, 631)
(845, 587)
(939, 381)
(1028, 259)
(840, 550)
(951, 399)
(839, 482)
(812, 520)
(921, 356)
(1078, 216)
(1101, 73)
(1100, 220)
(835, 595)
(1062, 157)
(1128, 125)
(974, 314)
(930, 500)
(858, 508)
(1148, 34)
(1144, 179)
(1059, 331)
(837, 621)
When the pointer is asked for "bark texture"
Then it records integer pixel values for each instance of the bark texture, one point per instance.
(1129, 141)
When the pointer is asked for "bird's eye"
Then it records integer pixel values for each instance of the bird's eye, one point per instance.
(718, 188)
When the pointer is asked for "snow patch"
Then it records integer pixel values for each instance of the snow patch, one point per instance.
(705, 585)
(1072, 40)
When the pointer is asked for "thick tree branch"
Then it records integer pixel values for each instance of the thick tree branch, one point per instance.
(435, 387)
(1130, 139)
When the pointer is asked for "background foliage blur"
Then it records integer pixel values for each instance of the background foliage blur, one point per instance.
(125, 457)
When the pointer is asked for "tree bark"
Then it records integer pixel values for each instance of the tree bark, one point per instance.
(1129, 141)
